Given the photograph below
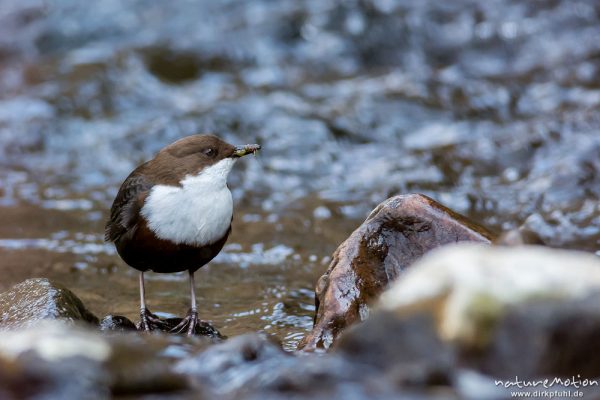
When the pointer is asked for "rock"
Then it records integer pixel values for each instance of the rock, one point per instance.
(469, 287)
(548, 338)
(526, 311)
(396, 233)
(38, 299)
(56, 360)
(59, 361)
(204, 328)
(236, 365)
(143, 363)
(116, 323)
(254, 367)
(408, 352)
(409, 346)
(17, 382)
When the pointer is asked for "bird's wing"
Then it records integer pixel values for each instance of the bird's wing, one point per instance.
(124, 213)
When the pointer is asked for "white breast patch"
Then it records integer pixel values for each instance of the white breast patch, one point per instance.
(197, 213)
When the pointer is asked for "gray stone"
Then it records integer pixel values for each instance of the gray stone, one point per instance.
(116, 323)
(61, 361)
(254, 367)
(38, 299)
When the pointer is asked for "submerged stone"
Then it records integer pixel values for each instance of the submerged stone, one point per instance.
(116, 323)
(396, 233)
(39, 299)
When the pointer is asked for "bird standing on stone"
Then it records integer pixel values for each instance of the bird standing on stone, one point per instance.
(174, 212)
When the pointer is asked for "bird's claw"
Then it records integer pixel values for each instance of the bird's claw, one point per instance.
(187, 324)
(149, 322)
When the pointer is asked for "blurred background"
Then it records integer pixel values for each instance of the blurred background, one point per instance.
(492, 108)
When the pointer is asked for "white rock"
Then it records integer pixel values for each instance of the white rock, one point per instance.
(468, 287)
(54, 341)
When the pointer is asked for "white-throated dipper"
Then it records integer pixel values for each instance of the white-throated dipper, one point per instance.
(174, 212)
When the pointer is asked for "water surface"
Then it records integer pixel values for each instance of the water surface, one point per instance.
(491, 108)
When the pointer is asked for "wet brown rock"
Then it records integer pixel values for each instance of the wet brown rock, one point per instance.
(38, 299)
(396, 233)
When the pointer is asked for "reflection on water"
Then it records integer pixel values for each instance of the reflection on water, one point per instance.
(488, 107)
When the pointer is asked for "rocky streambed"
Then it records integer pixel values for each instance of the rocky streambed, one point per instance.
(416, 303)
(489, 108)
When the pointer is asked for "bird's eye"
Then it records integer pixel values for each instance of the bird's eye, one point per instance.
(210, 152)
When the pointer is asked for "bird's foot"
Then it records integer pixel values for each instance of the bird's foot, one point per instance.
(149, 322)
(187, 324)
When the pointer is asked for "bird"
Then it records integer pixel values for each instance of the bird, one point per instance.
(173, 213)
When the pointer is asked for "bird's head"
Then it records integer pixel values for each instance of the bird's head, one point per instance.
(201, 155)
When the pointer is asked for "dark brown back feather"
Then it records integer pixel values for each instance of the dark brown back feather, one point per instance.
(124, 213)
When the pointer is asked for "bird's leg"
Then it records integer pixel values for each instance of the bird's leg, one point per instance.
(191, 319)
(148, 321)
(193, 312)
(144, 323)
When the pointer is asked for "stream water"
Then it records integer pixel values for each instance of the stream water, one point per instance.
(492, 108)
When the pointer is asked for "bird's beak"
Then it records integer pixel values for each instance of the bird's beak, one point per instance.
(241, 151)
